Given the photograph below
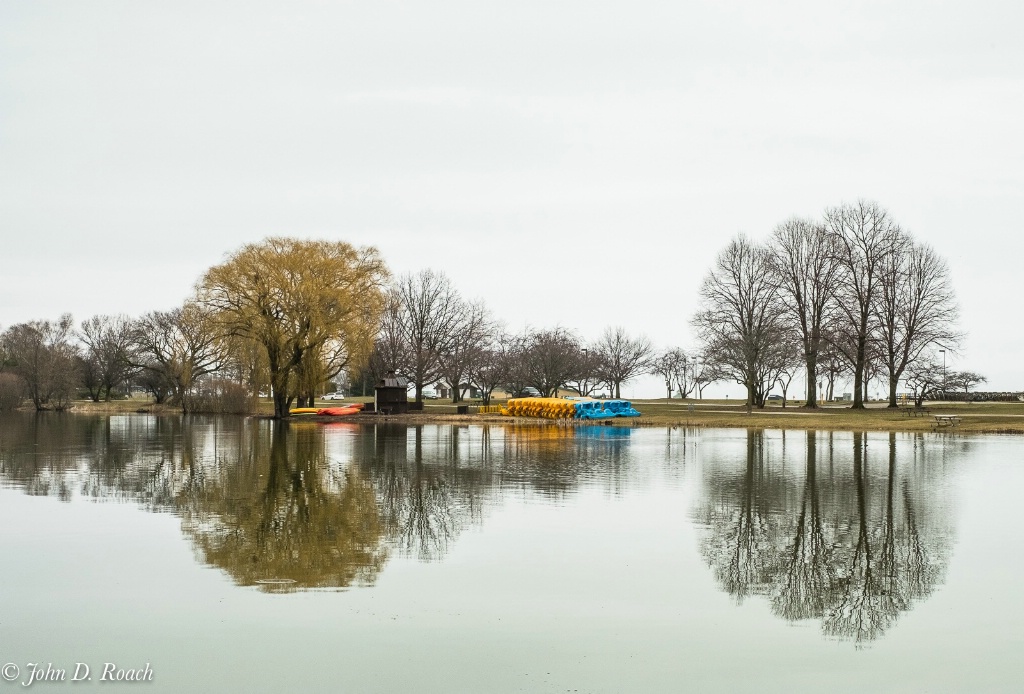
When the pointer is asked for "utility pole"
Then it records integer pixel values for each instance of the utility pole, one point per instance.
(943, 373)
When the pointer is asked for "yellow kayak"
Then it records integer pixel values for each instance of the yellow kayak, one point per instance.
(304, 410)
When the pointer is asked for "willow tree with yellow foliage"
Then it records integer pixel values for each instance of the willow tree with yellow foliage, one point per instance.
(313, 306)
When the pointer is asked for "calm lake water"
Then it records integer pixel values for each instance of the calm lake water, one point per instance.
(237, 555)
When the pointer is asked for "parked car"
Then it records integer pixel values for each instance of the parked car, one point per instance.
(333, 396)
(774, 398)
(531, 392)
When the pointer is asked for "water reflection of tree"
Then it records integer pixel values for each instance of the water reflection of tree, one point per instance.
(556, 460)
(266, 501)
(285, 513)
(807, 574)
(843, 546)
(428, 492)
(257, 500)
(744, 525)
(867, 596)
(42, 452)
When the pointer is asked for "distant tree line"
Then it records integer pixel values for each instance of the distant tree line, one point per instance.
(283, 316)
(291, 318)
(431, 334)
(851, 294)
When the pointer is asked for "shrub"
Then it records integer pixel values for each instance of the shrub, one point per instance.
(218, 396)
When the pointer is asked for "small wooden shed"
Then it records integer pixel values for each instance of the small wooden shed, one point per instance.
(390, 394)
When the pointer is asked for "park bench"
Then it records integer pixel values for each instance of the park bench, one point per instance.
(946, 420)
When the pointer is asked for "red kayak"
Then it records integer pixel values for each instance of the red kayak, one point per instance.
(340, 411)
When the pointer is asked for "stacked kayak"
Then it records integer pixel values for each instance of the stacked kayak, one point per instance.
(549, 408)
(592, 409)
(558, 408)
(341, 411)
(621, 408)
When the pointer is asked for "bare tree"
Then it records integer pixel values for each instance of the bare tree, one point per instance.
(591, 375)
(706, 371)
(180, 346)
(682, 372)
(864, 237)
(741, 320)
(42, 355)
(152, 377)
(472, 330)
(785, 379)
(669, 365)
(622, 358)
(924, 377)
(832, 366)
(965, 380)
(486, 369)
(915, 309)
(89, 377)
(781, 361)
(108, 354)
(425, 310)
(805, 262)
(553, 358)
(390, 346)
(512, 362)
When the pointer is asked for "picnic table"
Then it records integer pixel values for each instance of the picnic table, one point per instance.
(946, 420)
(915, 411)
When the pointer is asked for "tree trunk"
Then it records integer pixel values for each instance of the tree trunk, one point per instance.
(893, 384)
(280, 405)
(812, 381)
(858, 377)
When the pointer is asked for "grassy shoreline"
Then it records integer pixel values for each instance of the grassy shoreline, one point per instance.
(989, 418)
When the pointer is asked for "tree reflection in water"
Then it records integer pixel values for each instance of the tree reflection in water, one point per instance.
(303, 505)
(427, 493)
(806, 568)
(852, 536)
(843, 545)
(285, 513)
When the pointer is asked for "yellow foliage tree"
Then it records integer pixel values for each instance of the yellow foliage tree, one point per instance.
(304, 302)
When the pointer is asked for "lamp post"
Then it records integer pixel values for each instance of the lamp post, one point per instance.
(585, 378)
(943, 373)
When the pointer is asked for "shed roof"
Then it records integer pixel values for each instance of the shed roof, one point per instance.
(390, 380)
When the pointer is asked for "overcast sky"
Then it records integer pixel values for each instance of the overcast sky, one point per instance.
(573, 163)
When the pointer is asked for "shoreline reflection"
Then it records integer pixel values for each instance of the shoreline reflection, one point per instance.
(846, 529)
(304, 506)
